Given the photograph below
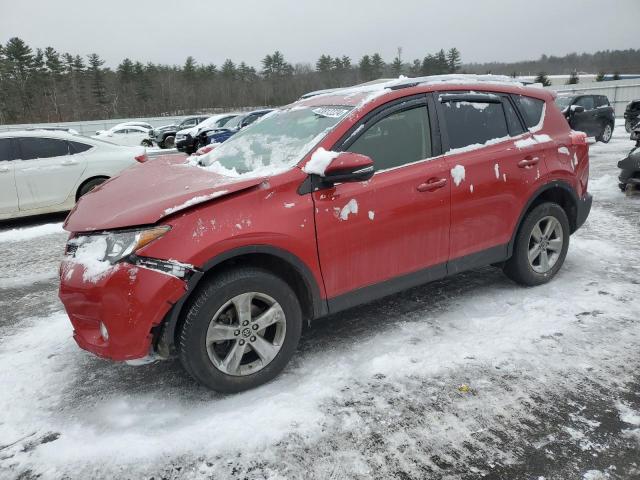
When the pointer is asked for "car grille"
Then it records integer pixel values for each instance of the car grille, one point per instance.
(71, 250)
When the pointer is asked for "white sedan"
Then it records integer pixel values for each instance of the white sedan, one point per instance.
(130, 135)
(145, 125)
(45, 171)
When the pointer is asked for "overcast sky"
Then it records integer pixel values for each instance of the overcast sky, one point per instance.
(168, 31)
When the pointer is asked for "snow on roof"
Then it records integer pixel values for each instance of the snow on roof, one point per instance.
(358, 95)
(36, 132)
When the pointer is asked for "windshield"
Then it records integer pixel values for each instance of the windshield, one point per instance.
(223, 121)
(234, 122)
(563, 102)
(278, 140)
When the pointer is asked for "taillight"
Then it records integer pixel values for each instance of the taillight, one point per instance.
(578, 138)
(142, 158)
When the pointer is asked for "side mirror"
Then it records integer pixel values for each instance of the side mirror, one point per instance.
(349, 167)
(576, 109)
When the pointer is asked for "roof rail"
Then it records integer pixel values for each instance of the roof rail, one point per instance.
(406, 82)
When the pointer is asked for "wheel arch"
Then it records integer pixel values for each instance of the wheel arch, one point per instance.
(276, 260)
(87, 180)
(558, 192)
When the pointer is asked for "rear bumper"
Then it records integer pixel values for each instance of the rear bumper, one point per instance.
(584, 207)
(184, 144)
(129, 300)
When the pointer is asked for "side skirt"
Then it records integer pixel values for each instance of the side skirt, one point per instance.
(389, 287)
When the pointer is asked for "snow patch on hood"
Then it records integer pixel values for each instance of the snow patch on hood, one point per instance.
(194, 201)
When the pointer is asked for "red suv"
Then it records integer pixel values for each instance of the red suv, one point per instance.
(331, 202)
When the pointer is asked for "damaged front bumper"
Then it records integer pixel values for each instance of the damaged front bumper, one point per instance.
(115, 316)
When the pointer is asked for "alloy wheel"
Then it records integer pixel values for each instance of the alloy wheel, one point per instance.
(545, 244)
(607, 133)
(246, 334)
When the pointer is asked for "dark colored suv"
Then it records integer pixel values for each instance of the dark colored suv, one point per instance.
(591, 114)
(165, 136)
(632, 115)
(331, 202)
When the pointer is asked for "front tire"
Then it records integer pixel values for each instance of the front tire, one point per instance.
(540, 247)
(170, 142)
(240, 331)
(607, 133)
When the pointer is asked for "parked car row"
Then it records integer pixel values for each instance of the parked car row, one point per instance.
(165, 136)
(45, 171)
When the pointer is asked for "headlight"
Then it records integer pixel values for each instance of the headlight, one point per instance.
(120, 244)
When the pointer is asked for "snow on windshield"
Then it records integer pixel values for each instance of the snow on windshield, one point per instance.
(275, 143)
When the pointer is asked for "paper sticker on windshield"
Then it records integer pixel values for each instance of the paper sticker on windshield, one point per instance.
(331, 112)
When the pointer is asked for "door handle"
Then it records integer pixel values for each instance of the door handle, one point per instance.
(528, 162)
(4, 169)
(432, 184)
(69, 162)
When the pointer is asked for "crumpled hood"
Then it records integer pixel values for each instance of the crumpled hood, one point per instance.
(146, 193)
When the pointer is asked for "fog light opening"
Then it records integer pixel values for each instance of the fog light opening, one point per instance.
(103, 331)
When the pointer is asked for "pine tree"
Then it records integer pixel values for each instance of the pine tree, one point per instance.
(573, 78)
(442, 63)
(55, 71)
(600, 76)
(325, 64)
(189, 68)
(377, 66)
(454, 60)
(543, 79)
(98, 85)
(19, 63)
(228, 70)
(125, 71)
(366, 69)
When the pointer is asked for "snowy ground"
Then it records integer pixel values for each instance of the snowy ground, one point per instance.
(471, 377)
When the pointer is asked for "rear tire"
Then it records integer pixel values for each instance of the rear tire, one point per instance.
(146, 143)
(170, 142)
(216, 329)
(88, 186)
(540, 246)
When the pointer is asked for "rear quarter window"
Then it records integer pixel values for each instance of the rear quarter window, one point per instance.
(530, 108)
(77, 147)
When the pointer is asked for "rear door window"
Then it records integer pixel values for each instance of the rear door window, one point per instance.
(530, 108)
(32, 148)
(471, 123)
(602, 101)
(6, 150)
